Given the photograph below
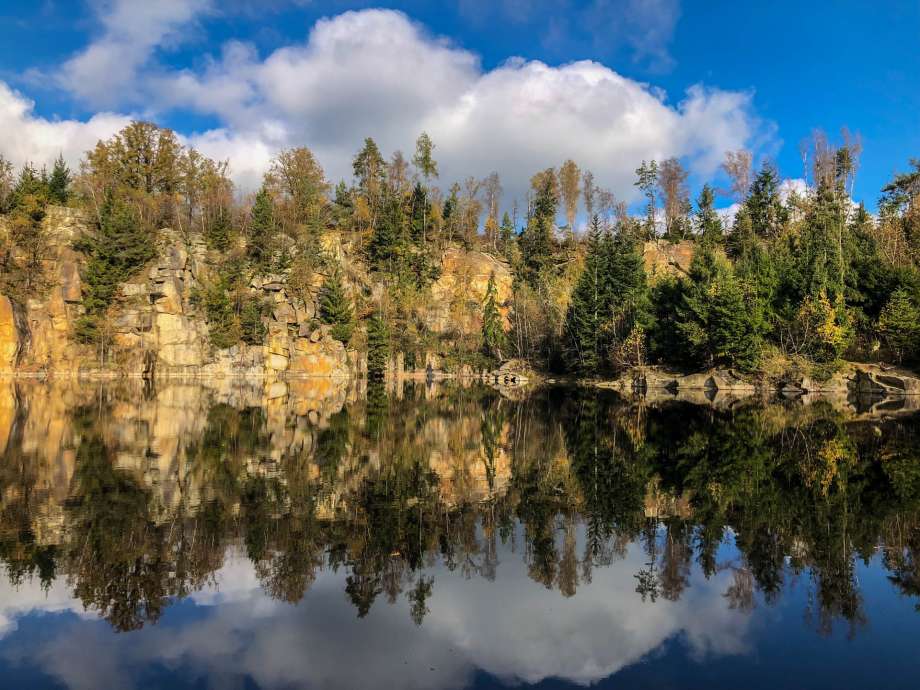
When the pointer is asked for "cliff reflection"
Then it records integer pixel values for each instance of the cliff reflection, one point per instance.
(135, 497)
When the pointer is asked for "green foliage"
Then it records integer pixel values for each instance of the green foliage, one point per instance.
(59, 182)
(708, 223)
(335, 308)
(116, 250)
(899, 325)
(610, 303)
(219, 231)
(262, 229)
(387, 245)
(252, 329)
(494, 340)
(536, 241)
(378, 347)
(718, 320)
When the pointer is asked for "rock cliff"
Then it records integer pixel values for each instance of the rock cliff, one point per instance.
(157, 328)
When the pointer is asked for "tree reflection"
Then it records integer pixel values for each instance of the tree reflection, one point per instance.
(386, 487)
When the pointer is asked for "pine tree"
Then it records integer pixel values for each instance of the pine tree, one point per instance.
(252, 329)
(335, 308)
(715, 318)
(218, 231)
(387, 242)
(59, 182)
(899, 325)
(378, 347)
(536, 242)
(588, 308)
(493, 332)
(262, 229)
(708, 224)
(763, 205)
(117, 249)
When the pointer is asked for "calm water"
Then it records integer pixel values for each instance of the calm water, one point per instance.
(307, 536)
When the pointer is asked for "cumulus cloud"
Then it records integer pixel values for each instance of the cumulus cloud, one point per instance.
(28, 138)
(132, 30)
(377, 73)
(511, 628)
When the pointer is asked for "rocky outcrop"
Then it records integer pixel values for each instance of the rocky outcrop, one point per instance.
(459, 292)
(662, 258)
(156, 325)
(9, 336)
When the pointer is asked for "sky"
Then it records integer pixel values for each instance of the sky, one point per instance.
(507, 85)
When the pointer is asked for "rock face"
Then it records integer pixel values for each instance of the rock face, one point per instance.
(662, 258)
(9, 335)
(156, 326)
(458, 294)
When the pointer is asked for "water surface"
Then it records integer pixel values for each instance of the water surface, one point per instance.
(309, 535)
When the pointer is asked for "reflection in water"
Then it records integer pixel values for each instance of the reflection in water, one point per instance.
(448, 509)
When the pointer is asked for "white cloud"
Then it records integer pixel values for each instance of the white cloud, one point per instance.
(27, 138)
(376, 73)
(132, 30)
(512, 628)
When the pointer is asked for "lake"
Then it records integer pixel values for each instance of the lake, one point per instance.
(310, 534)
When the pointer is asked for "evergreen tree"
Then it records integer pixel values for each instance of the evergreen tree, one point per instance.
(218, 231)
(763, 205)
(899, 325)
(588, 308)
(708, 223)
(387, 242)
(536, 242)
(335, 308)
(421, 214)
(715, 318)
(117, 249)
(505, 234)
(262, 229)
(493, 332)
(59, 182)
(378, 347)
(223, 327)
(252, 329)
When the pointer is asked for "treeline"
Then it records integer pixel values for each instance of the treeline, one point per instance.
(797, 274)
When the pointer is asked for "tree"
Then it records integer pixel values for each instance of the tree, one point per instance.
(262, 228)
(493, 331)
(6, 182)
(388, 241)
(569, 177)
(116, 249)
(737, 165)
(672, 186)
(492, 190)
(715, 317)
(899, 325)
(536, 241)
(588, 308)
(424, 162)
(378, 347)
(763, 204)
(370, 172)
(708, 223)
(59, 182)
(335, 308)
(647, 182)
(300, 184)
(423, 159)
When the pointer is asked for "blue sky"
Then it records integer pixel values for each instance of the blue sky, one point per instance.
(765, 75)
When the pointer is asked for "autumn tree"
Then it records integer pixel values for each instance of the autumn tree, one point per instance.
(569, 178)
(737, 166)
(672, 187)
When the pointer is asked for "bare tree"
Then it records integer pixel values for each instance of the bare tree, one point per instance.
(737, 165)
(492, 193)
(569, 177)
(589, 192)
(672, 185)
